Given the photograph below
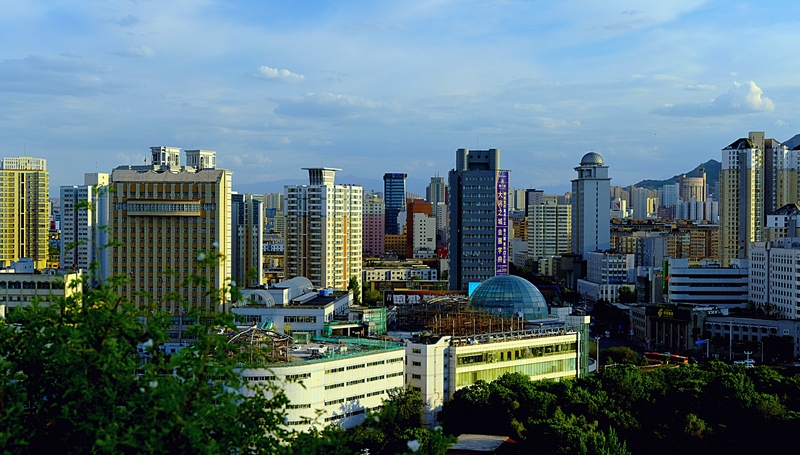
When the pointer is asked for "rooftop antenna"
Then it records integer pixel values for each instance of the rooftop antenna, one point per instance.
(477, 141)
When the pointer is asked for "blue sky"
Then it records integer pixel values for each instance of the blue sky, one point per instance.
(376, 87)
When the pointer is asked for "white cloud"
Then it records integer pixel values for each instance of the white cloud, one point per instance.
(326, 105)
(701, 87)
(741, 99)
(141, 51)
(265, 72)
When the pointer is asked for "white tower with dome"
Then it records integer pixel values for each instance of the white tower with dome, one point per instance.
(591, 206)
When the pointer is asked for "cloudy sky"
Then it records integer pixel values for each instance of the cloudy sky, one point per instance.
(375, 87)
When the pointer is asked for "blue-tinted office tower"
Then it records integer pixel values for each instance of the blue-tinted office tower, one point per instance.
(394, 189)
(478, 218)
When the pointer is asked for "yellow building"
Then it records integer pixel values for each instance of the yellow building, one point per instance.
(165, 215)
(24, 215)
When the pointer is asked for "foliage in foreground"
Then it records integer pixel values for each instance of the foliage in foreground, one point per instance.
(72, 380)
(687, 410)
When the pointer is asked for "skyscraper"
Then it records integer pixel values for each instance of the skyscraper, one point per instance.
(741, 197)
(165, 215)
(479, 237)
(436, 191)
(591, 217)
(323, 230)
(394, 198)
(247, 243)
(549, 230)
(24, 214)
(80, 244)
(374, 219)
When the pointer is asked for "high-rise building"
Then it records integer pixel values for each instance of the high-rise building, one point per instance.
(247, 231)
(273, 201)
(436, 191)
(773, 268)
(373, 222)
(394, 198)
(591, 217)
(165, 215)
(24, 215)
(741, 197)
(549, 230)
(323, 230)
(80, 240)
(693, 187)
(421, 233)
(479, 237)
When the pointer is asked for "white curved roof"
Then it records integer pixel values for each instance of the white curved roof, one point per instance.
(297, 286)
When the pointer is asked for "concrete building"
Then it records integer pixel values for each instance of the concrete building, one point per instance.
(273, 201)
(436, 191)
(375, 274)
(373, 225)
(669, 195)
(247, 243)
(693, 187)
(328, 381)
(607, 271)
(20, 286)
(323, 230)
(165, 215)
(81, 240)
(734, 329)
(591, 216)
(421, 233)
(741, 197)
(24, 213)
(479, 231)
(549, 230)
(707, 283)
(394, 197)
(782, 223)
(774, 268)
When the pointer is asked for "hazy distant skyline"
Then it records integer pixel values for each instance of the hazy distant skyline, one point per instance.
(376, 87)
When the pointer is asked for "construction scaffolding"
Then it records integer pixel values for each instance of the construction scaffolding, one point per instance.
(419, 315)
(278, 345)
(472, 323)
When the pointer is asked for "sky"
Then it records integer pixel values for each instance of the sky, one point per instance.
(656, 88)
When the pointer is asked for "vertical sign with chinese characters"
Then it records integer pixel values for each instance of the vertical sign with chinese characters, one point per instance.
(501, 224)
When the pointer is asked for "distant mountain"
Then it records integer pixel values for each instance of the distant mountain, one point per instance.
(793, 142)
(712, 168)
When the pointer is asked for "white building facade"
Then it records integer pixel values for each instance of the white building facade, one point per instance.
(591, 199)
(323, 230)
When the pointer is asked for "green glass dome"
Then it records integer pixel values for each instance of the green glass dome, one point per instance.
(509, 296)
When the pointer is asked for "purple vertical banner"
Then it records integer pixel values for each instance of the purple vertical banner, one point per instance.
(501, 224)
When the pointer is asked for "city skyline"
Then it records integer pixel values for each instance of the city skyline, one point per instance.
(654, 89)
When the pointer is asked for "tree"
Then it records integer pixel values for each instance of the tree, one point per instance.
(72, 381)
(626, 295)
(354, 286)
(619, 354)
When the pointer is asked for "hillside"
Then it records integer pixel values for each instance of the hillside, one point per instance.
(712, 177)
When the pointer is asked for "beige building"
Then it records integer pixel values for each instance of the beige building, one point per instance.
(20, 289)
(549, 230)
(24, 205)
(165, 215)
(323, 230)
(741, 195)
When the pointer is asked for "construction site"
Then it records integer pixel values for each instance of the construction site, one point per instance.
(450, 316)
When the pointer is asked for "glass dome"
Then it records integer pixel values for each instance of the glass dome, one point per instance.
(509, 296)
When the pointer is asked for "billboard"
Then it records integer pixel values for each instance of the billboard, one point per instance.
(501, 224)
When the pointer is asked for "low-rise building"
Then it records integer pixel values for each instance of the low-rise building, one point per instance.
(707, 283)
(19, 286)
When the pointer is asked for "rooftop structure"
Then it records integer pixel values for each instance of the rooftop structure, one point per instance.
(509, 296)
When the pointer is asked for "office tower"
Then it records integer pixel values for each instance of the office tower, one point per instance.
(533, 197)
(773, 268)
(421, 232)
(669, 195)
(25, 184)
(165, 215)
(443, 222)
(394, 198)
(436, 191)
(373, 225)
(323, 230)
(80, 243)
(247, 242)
(591, 217)
(741, 197)
(693, 187)
(478, 218)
